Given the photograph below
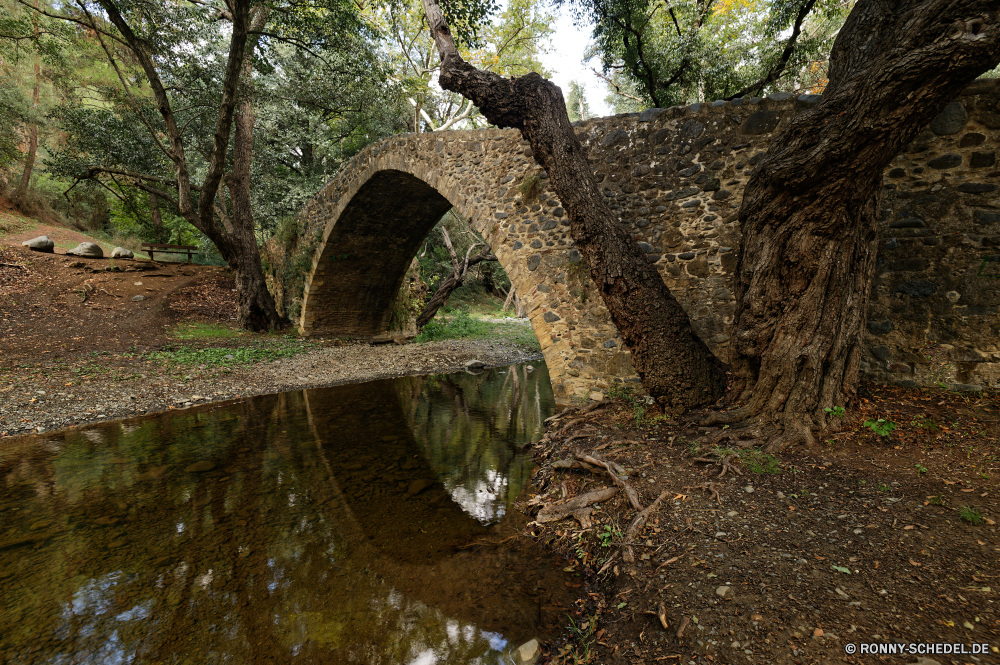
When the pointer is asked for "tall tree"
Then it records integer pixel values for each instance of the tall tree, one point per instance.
(673, 362)
(810, 210)
(808, 217)
(508, 42)
(32, 151)
(662, 54)
(183, 115)
(576, 102)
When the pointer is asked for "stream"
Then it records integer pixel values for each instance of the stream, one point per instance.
(367, 523)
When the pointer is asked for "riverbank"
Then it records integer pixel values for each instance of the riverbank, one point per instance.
(107, 386)
(885, 533)
(88, 340)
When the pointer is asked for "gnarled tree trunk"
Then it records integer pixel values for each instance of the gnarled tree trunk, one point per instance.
(674, 364)
(810, 209)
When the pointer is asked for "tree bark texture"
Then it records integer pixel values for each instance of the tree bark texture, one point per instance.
(254, 304)
(810, 210)
(675, 365)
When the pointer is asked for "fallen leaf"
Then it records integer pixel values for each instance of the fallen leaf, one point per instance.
(908, 527)
(842, 569)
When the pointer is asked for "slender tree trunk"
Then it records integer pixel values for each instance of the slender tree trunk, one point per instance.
(810, 209)
(157, 217)
(29, 159)
(675, 365)
(255, 308)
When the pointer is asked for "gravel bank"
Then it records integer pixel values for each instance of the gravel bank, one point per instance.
(44, 397)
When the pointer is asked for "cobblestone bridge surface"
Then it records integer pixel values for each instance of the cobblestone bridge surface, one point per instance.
(675, 177)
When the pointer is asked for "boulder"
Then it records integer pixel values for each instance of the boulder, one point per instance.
(122, 253)
(418, 486)
(475, 366)
(88, 250)
(40, 244)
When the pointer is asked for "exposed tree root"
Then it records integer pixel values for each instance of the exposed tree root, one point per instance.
(724, 461)
(748, 429)
(633, 496)
(559, 415)
(636, 524)
(711, 488)
(556, 512)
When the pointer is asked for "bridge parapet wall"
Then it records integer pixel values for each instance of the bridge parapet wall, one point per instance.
(675, 177)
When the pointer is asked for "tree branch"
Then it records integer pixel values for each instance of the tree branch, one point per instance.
(618, 89)
(786, 54)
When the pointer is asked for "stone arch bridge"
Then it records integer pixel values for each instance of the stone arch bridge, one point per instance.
(675, 176)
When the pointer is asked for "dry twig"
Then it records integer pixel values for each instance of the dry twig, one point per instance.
(711, 488)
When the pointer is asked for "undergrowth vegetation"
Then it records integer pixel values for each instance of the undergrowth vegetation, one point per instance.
(271, 348)
(461, 325)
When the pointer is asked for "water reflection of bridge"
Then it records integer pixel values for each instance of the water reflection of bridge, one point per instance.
(303, 539)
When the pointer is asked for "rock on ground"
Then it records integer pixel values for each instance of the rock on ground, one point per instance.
(87, 249)
(40, 244)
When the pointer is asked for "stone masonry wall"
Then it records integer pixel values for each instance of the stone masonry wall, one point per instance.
(675, 177)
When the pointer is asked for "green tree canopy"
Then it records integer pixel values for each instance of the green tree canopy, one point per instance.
(660, 54)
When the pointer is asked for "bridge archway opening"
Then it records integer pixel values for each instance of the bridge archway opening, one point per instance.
(366, 255)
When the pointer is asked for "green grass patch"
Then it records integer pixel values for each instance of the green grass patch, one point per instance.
(11, 223)
(222, 356)
(757, 461)
(970, 515)
(193, 330)
(463, 326)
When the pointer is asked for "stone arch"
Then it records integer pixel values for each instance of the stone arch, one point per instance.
(380, 208)
(675, 178)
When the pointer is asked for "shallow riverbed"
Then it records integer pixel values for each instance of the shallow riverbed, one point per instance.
(349, 524)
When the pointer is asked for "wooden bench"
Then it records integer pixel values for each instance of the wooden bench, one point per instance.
(152, 248)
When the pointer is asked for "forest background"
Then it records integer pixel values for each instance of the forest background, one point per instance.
(328, 78)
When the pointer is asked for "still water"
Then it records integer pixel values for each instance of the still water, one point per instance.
(352, 524)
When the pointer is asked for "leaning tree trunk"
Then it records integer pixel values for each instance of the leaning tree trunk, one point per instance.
(450, 283)
(810, 209)
(674, 364)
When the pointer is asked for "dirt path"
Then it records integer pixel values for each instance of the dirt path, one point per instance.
(56, 306)
(868, 539)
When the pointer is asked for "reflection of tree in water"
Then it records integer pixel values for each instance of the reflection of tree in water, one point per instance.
(114, 553)
(472, 428)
